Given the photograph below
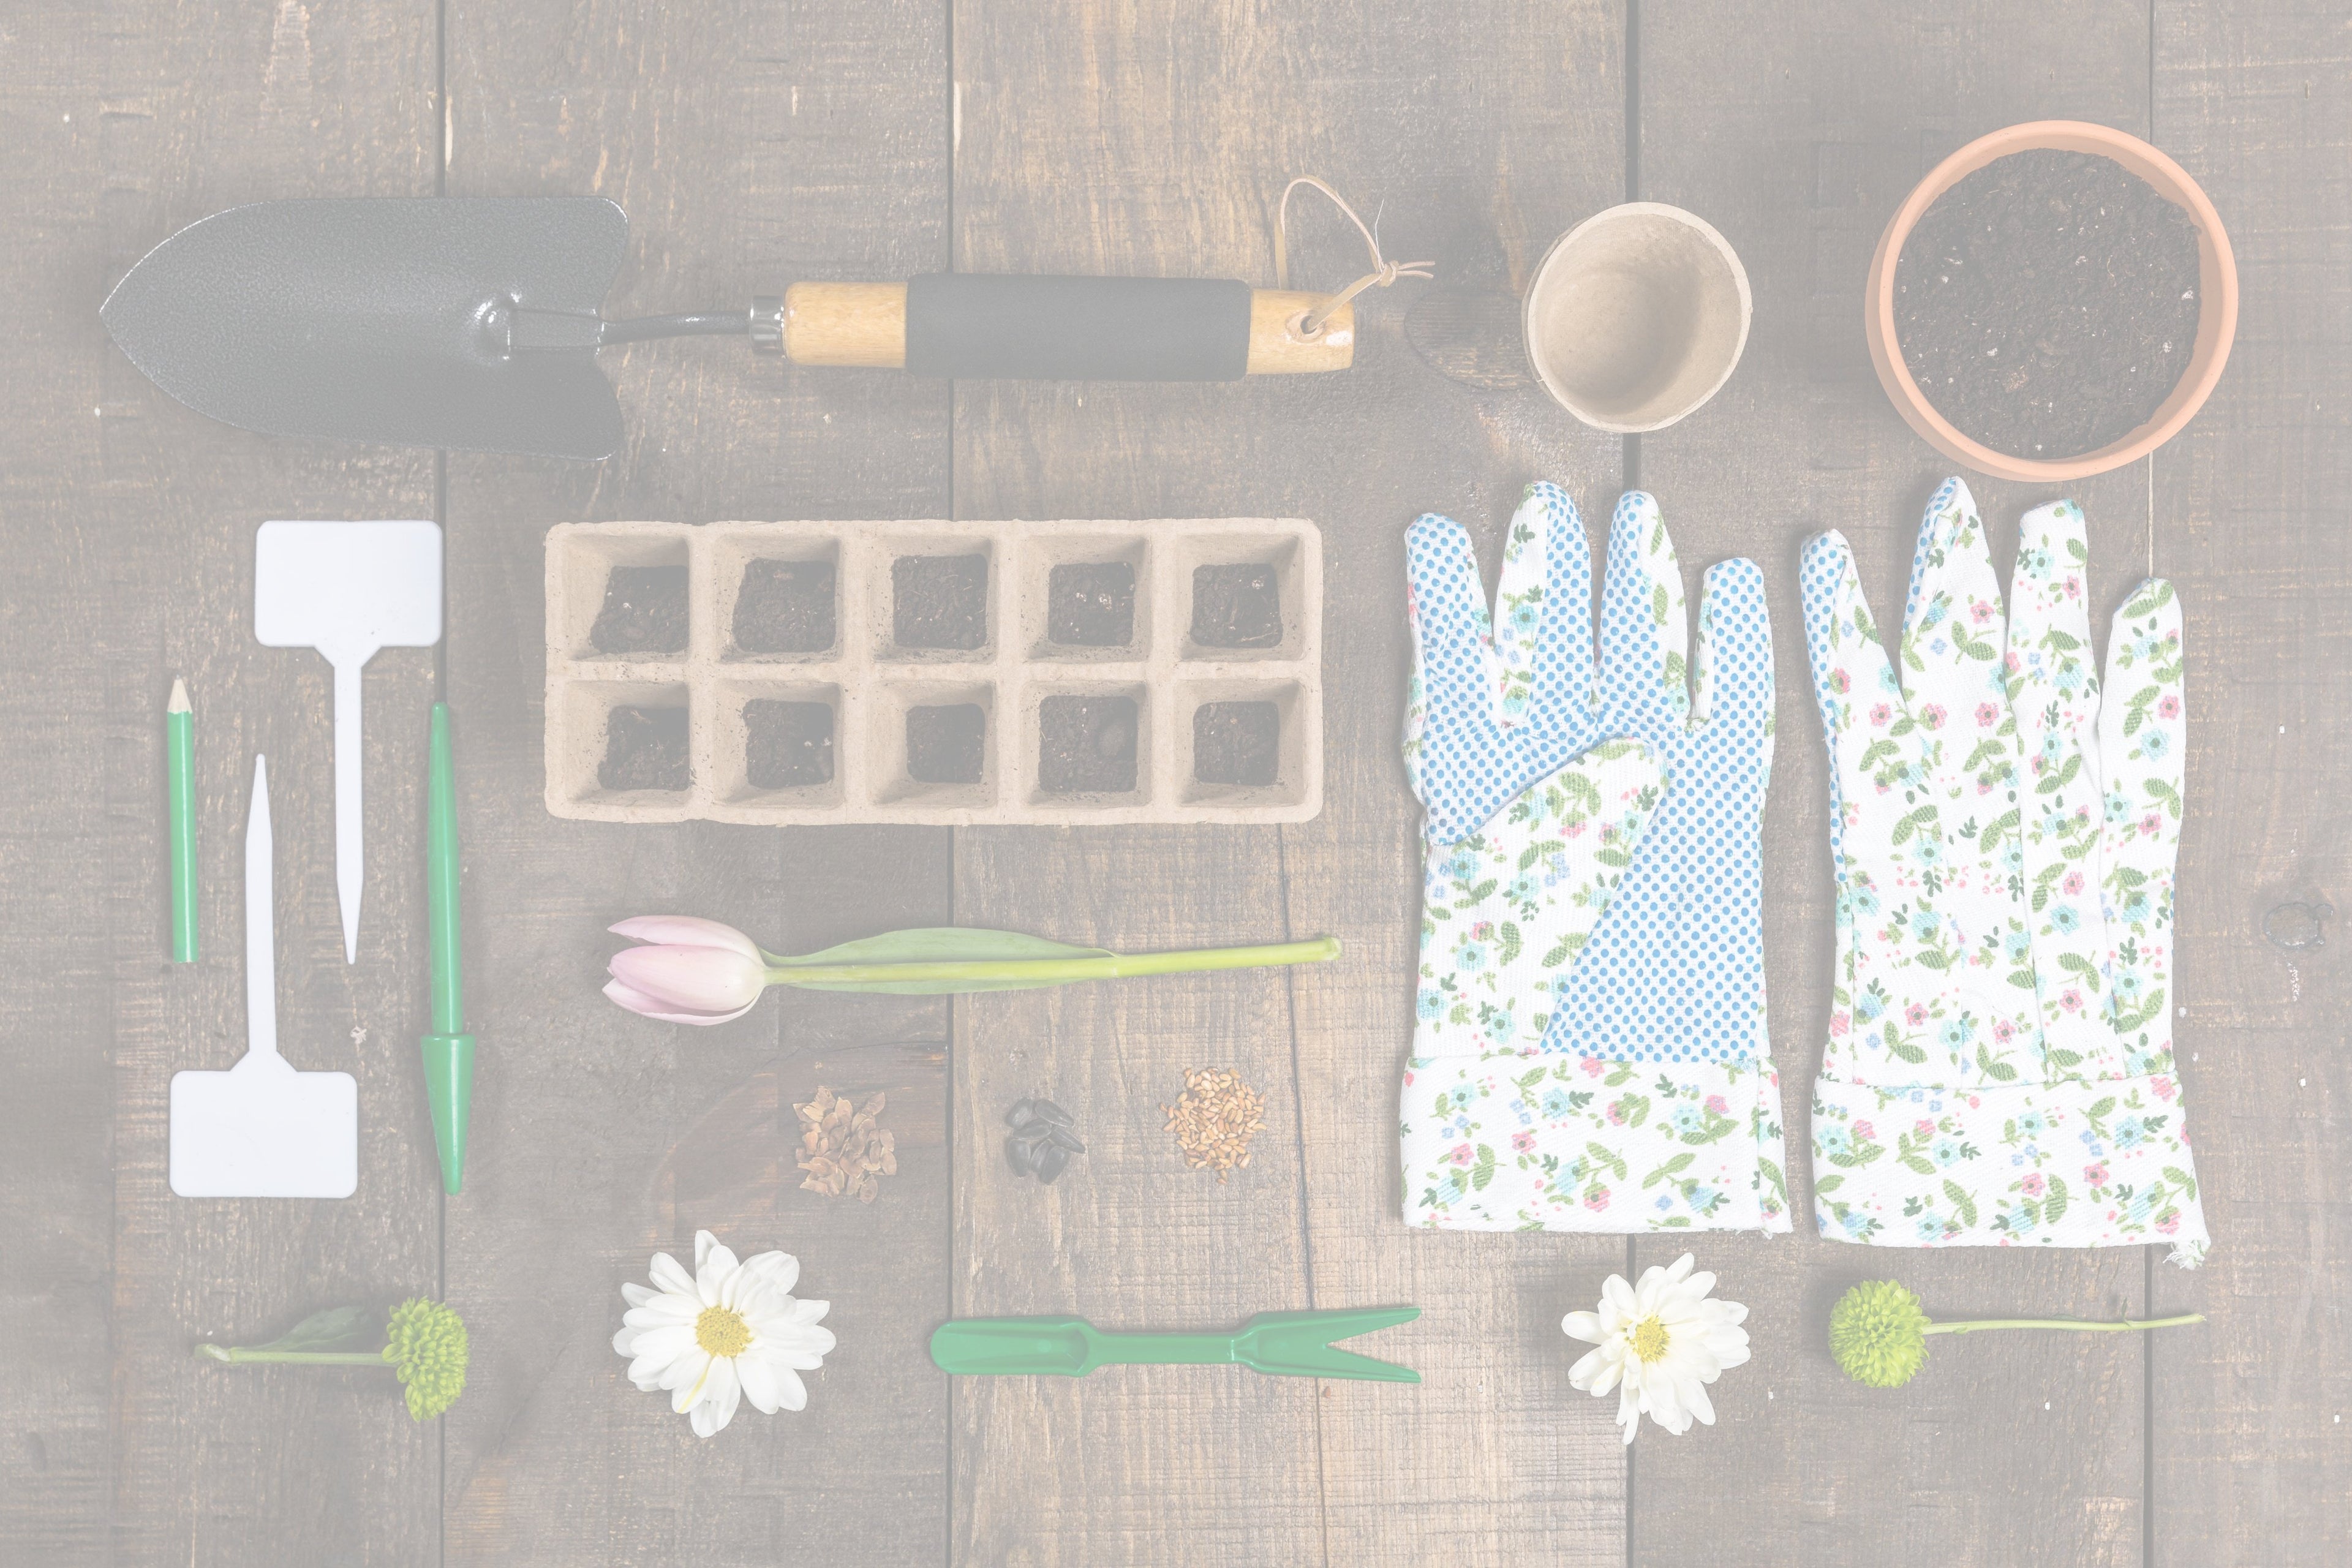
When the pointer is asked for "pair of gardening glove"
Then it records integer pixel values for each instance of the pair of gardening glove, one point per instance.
(2005, 827)
(1590, 1052)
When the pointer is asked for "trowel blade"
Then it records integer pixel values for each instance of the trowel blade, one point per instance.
(374, 320)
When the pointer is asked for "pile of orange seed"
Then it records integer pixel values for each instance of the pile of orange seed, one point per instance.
(841, 1150)
(1213, 1119)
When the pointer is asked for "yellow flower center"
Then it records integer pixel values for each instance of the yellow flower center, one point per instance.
(722, 1332)
(1650, 1339)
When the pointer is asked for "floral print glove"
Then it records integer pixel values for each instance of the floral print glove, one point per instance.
(1999, 1068)
(1589, 1052)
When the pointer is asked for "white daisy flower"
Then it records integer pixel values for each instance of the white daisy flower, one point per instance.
(726, 1332)
(1659, 1344)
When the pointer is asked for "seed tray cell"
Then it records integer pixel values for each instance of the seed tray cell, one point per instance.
(1220, 614)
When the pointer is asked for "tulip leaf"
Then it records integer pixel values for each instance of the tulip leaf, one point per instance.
(940, 944)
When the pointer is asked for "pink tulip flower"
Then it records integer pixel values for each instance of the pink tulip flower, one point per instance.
(690, 970)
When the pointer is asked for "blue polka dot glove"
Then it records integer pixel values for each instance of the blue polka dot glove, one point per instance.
(2000, 1068)
(1589, 1051)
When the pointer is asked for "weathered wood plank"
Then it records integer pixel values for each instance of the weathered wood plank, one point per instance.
(805, 141)
(1796, 133)
(1113, 140)
(56, 1126)
(182, 116)
(2251, 1460)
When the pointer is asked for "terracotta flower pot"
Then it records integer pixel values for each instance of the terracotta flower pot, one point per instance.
(2217, 283)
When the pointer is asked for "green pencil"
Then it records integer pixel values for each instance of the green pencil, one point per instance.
(180, 764)
(448, 1051)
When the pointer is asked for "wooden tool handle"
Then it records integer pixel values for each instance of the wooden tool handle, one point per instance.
(978, 325)
(857, 325)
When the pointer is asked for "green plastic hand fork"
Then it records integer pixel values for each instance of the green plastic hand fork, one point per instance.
(1284, 1344)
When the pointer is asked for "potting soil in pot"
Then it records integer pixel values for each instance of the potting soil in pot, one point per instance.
(787, 745)
(1237, 743)
(940, 601)
(2047, 304)
(1086, 745)
(1091, 604)
(785, 606)
(947, 743)
(1236, 606)
(643, 611)
(646, 747)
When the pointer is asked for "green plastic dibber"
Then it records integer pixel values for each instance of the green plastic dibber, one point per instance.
(448, 1051)
(1282, 1344)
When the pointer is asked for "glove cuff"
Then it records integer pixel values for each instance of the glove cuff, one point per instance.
(2103, 1162)
(1530, 1140)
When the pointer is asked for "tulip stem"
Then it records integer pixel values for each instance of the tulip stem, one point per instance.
(2125, 1325)
(1049, 971)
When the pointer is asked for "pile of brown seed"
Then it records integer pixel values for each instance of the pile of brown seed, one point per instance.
(841, 1150)
(1214, 1119)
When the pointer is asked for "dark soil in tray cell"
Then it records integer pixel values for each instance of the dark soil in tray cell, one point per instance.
(645, 748)
(1236, 606)
(1086, 745)
(2047, 304)
(645, 611)
(785, 606)
(1091, 604)
(940, 601)
(787, 745)
(946, 744)
(1237, 743)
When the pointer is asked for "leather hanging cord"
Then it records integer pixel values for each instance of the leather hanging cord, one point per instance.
(1383, 272)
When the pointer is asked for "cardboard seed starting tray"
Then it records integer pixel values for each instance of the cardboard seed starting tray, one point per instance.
(1210, 711)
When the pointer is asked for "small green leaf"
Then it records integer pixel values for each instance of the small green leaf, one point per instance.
(1673, 1167)
(356, 1328)
(1603, 1155)
(1912, 822)
(1962, 1202)
(2054, 1207)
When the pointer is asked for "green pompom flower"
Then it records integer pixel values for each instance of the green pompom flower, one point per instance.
(1878, 1333)
(425, 1343)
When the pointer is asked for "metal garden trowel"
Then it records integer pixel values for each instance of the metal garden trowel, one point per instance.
(473, 323)
(261, 1130)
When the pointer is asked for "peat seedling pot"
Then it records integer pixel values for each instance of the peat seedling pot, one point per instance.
(1637, 316)
(2217, 289)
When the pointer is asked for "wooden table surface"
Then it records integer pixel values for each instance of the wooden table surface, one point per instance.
(757, 143)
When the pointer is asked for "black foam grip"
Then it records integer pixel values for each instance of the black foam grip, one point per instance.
(977, 326)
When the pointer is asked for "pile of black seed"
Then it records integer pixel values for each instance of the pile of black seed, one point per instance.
(1042, 1143)
(2047, 303)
